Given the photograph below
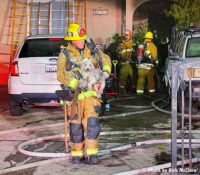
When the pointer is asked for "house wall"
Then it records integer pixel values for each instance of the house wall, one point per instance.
(5, 21)
(99, 27)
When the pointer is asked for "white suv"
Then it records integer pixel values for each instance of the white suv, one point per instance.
(33, 79)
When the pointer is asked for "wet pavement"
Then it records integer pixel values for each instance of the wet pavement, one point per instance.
(48, 121)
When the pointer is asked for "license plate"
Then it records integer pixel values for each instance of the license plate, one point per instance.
(51, 68)
(197, 90)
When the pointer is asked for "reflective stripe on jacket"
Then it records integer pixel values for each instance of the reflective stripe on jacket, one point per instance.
(126, 50)
(145, 66)
(65, 76)
(86, 94)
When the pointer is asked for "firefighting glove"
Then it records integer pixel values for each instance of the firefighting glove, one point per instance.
(105, 75)
(148, 54)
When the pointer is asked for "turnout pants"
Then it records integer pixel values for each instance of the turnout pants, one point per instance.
(143, 74)
(85, 129)
(125, 71)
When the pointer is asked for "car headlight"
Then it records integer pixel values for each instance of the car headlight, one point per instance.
(193, 72)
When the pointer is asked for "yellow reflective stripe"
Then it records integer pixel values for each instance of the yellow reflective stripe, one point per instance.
(107, 68)
(61, 102)
(92, 151)
(90, 93)
(147, 52)
(145, 66)
(86, 94)
(126, 50)
(77, 153)
(126, 62)
(73, 83)
(81, 97)
(152, 90)
(140, 91)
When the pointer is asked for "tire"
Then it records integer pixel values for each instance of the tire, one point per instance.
(179, 103)
(15, 108)
(186, 104)
(167, 92)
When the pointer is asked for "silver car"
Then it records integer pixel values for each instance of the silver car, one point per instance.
(187, 55)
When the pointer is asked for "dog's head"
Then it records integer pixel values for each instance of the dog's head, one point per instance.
(87, 65)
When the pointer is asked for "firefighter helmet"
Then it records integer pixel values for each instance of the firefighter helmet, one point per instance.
(128, 34)
(148, 35)
(75, 32)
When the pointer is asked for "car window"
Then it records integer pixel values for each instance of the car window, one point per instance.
(193, 47)
(181, 47)
(41, 47)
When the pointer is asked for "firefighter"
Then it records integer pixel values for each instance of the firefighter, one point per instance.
(125, 50)
(84, 126)
(146, 66)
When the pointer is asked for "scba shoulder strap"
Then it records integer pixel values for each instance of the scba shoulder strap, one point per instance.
(69, 64)
(65, 51)
(94, 50)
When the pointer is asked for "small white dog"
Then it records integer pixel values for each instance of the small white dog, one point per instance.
(91, 77)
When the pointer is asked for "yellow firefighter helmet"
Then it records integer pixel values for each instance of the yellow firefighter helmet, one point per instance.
(75, 32)
(148, 35)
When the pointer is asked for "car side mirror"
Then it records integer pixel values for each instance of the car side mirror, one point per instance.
(174, 56)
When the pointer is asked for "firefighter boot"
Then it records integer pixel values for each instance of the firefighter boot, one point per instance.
(92, 159)
(76, 160)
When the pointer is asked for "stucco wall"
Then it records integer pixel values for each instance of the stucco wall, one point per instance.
(101, 27)
(131, 6)
(5, 19)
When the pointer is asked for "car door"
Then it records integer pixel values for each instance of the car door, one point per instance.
(178, 52)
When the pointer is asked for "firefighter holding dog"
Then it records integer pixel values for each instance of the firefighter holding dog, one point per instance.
(147, 60)
(84, 126)
(125, 50)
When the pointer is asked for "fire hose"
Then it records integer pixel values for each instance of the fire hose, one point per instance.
(63, 156)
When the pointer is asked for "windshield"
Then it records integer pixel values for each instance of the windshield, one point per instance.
(44, 47)
(193, 47)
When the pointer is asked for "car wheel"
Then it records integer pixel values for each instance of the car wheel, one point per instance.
(15, 108)
(186, 104)
(179, 103)
(167, 91)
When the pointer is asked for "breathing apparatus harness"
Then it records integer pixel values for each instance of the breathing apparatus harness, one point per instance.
(143, 55)
(93, 50)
